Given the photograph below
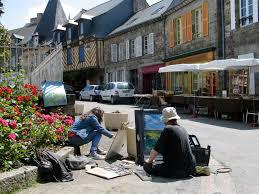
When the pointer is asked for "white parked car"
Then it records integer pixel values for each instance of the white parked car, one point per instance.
(90, 92)
(117, 91)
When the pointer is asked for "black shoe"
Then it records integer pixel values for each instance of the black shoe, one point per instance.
(77, 151)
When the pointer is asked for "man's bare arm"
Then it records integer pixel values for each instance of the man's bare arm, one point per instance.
(152, 156)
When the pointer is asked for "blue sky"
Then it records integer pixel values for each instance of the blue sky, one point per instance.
(18, 12)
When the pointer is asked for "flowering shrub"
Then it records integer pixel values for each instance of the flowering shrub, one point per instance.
(23, 128)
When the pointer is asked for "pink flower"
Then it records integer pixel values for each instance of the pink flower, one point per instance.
(60, 129)
(4, 122)
(13, 124)
(69, 121)
(12, 136)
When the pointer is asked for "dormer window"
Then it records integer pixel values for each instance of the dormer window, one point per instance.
(81, 28)
(58, 37)
(69, 33)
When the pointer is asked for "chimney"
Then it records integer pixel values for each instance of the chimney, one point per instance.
(39, 15)
(139, 5)
(33, 20)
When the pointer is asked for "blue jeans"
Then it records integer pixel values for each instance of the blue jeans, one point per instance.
(93, 137)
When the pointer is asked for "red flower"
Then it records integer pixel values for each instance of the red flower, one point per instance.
(20, 98)
(13, 124)
(2, 109)
(12, 136)
(27, 98)
(9, 90)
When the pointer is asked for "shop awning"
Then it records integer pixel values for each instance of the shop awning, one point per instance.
(228, 64)
(216, 65)
(152, 68)
(179, 68)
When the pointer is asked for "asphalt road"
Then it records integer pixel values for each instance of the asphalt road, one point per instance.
(234, 144)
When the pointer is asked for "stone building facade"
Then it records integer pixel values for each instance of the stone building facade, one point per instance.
(193, 35)
(241, 29)
(135, 51)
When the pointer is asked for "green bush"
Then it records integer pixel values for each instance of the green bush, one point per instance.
(23, 127)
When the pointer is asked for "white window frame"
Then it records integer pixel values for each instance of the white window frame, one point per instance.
(69, 33)
(81, 28)
(145, 45)
(197, 30)
(121, 51)
(178, 30)
(246, 12)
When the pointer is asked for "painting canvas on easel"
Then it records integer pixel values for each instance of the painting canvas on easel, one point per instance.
(148, 129)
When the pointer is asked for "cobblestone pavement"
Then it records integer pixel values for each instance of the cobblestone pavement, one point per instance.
(233, 144)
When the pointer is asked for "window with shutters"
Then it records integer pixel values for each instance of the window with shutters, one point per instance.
(114, 52)
(121, 51)
(132, 48)
(81, 53)
(178, 31)
(197, 23)
(145, 45)
(69, 33)
(110, 77)
(69, 56)
(246, 12)
(120, 76)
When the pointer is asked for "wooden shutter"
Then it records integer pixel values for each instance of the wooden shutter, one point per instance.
(171, 33)
(127, 49)
(114, 52)
(189, 26)
(138, 46)
(205, 19)
(184, 28)
(150, 47)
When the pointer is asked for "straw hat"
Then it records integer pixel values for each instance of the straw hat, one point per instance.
(169, 113)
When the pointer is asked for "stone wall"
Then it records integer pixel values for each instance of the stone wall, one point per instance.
(242, 40)
(156, 27)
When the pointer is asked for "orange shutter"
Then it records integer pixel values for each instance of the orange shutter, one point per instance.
(184, 28)
(205, 19)
(189, 26)
(171, 33)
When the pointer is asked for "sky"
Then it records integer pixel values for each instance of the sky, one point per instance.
(18, 13)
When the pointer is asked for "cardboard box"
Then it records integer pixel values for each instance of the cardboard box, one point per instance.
(115, 120)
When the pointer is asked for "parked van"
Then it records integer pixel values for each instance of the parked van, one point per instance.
(117, 91)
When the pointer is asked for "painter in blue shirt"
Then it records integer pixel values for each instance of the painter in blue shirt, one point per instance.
(88, 129)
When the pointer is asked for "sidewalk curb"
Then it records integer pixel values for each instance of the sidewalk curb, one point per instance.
(25, 176)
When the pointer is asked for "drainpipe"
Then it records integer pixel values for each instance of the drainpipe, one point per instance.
(223, 29)
(223, 41)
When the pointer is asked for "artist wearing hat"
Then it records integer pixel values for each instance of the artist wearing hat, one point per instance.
(173, 144)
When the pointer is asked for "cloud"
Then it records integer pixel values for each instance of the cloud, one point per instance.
(36, 8)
